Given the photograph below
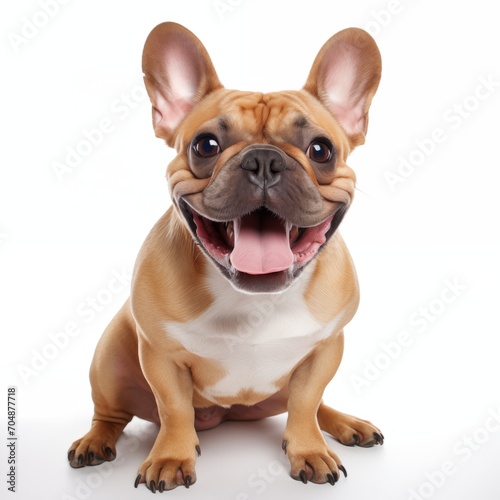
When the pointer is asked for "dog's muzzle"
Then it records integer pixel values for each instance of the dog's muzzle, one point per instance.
(260, 221)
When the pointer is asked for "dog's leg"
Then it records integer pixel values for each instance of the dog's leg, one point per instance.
(119, 391)
(347, 429)
(171, 461)
(305, 445)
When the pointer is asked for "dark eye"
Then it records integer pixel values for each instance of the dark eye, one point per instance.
(320, 151)
(206, 146)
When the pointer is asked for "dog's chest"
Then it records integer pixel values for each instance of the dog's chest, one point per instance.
(255, 339)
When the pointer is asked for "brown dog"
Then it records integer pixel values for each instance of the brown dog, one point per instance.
(242, 289)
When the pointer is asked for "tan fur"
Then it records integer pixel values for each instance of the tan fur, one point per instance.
(333, 270)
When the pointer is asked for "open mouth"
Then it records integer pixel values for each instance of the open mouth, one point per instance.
(259, 243)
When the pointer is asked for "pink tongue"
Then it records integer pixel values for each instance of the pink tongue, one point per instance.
(261, 245)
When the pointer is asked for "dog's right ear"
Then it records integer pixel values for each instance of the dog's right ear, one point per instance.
(178, 73)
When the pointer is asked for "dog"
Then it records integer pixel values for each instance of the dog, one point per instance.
(242, 289)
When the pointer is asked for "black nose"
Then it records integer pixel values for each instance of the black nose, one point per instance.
(264, 166)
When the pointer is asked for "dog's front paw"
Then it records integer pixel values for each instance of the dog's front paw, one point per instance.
(312, 460)
(164, 471)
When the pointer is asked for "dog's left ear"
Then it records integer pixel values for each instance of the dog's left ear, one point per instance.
(344, 77)
(178, 72)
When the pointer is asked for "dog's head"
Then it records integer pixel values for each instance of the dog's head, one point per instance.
(260, 180)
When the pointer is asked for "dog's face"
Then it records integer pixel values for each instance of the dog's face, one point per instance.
(260, 180)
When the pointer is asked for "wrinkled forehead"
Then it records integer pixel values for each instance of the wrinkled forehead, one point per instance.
(274, 118)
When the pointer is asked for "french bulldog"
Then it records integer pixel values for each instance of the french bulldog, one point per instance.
(242, 289)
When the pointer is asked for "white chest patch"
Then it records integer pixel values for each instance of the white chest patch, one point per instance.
(257, 339)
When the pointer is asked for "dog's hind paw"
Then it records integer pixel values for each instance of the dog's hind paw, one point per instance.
(349, 430)
(92, 454)
(96, 447)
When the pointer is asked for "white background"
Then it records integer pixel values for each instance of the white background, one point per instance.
(61, 239)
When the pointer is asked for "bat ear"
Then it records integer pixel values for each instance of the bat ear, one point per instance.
(178, 73)
(344, 77)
